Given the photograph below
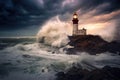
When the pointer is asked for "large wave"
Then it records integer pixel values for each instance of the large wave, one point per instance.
(55, 33)
(37, 61)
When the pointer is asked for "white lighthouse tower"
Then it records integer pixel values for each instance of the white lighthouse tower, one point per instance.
(76, 31)
(75, 24)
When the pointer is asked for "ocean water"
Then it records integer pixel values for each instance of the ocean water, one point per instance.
(25, 59)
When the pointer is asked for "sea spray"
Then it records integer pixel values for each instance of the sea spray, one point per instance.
(54, 33)
(37, 61)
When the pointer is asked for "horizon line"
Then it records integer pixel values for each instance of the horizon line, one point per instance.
(19, 37)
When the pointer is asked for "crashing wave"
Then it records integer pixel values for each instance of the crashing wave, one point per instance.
(54, 33)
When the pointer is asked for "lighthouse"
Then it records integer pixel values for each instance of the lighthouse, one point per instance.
(76, 31)
(75, 24)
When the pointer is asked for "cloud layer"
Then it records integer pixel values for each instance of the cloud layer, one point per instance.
(93, 14)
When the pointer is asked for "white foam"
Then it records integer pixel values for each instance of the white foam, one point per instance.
(39, 58)
(55, 32)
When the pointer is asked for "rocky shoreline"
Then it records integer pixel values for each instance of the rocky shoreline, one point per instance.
(92, 44)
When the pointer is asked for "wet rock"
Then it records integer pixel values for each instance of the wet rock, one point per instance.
(92, 44)
(26, 56)
(74, 73)
(61, 76)
(53, 52)
(106, 73)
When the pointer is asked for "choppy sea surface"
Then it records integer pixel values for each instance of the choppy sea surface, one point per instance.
(25, 59)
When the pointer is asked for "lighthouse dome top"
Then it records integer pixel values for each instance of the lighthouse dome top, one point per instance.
(75, 16)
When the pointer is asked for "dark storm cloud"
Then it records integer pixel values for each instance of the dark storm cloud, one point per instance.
(18, 14)
(88, 5)
(113, 5)
(24, 13)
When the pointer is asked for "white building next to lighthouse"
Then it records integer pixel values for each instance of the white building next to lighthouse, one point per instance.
(77, 31)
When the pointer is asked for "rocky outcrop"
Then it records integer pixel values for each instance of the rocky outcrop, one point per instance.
(92, 44)
(75, 73)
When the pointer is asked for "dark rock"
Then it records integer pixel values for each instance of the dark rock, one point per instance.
(92, 44)
(42, 40)
(106, 73)
(26, 56)
(53, 52)
(60, 76)
(113, 47)
(74, 73)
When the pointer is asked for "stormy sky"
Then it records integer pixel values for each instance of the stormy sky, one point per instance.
(26, 17)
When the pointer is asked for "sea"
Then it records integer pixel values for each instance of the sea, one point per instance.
(27, 59)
